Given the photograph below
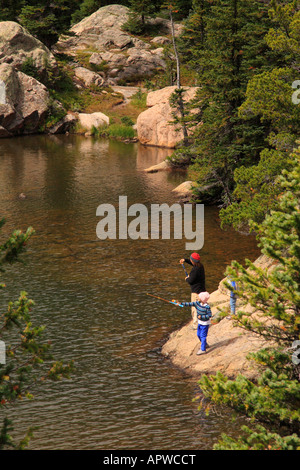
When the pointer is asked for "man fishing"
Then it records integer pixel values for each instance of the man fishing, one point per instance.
(196, 280)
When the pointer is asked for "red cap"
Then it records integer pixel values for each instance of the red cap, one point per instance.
(195, 257)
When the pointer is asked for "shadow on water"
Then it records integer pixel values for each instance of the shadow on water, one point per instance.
(91, 295)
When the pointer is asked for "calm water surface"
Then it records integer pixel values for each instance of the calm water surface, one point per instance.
(91, 296)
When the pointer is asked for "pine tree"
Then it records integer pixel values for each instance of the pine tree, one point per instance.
(269, 98)
(233, 50)
(46, 19)
(26, 354)
(275, 295)
(9, 9)
(192, 38)
(86, 8)
(140, 10)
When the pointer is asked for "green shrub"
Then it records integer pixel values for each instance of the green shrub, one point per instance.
(134, 25)
(29, 68)
(102, 67)
(127, 121)
(55, 113)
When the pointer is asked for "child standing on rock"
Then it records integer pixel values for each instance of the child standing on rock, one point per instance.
(203, 315)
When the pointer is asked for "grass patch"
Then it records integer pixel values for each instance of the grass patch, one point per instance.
(126, 114)
(83, 57)
(121, 131)
(86, 100)
(139, 100)
(103, 102)
(114, 131)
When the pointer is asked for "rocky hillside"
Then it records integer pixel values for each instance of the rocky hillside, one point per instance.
(100, 56)
(104, 45)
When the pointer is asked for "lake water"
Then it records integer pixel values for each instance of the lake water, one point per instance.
(91, 295)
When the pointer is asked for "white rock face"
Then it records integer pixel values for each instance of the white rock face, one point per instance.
(87, 121)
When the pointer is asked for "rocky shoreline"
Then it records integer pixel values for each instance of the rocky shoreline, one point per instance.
(229, 345)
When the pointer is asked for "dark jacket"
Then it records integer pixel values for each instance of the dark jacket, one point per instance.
(196, 278)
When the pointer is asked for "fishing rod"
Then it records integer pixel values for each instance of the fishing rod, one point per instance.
(186, 273)
(165, 300)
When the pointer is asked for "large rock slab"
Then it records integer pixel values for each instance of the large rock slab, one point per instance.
(26, 102)
(154, 125)
(229, 345)
(17, 45)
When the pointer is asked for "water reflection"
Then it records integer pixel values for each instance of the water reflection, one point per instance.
(91, 295)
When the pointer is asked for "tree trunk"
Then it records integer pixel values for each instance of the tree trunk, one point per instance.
(180, 100)
(175, 49)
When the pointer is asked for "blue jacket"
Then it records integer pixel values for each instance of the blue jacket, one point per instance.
(203, 311)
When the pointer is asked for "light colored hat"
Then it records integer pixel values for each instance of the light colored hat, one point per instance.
(203, 297)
